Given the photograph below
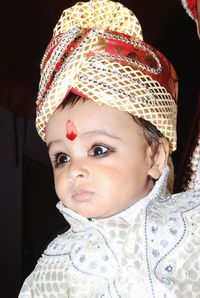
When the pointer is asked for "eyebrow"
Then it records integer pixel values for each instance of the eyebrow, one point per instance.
(91, 132)
(53, 142)
(100, 132)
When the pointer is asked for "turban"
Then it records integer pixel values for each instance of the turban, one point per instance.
(97, 51)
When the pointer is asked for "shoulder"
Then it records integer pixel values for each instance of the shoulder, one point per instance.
(176, 213)
(60, 245)
(172, 234)
(186, 201)
(179, 203)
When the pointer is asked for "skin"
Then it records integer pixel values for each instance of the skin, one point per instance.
(108, 167)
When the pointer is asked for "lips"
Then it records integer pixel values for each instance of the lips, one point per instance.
(82, 195)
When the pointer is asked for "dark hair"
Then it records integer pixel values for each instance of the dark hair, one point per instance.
(151, 133)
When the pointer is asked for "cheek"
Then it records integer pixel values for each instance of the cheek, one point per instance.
(113, 179)
(131, 177)
(60, 185)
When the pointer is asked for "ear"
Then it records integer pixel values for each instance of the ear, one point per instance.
(159, 159)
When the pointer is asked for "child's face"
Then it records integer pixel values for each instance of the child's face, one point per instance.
(104, 170)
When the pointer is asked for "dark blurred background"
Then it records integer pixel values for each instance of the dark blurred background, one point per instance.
(28, 216)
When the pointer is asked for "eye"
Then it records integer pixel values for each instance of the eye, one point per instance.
(100, 150)
(61, 159)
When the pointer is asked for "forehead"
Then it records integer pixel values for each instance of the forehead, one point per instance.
(88, 115)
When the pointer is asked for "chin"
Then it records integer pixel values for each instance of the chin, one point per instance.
(85, 213)
(90, 214)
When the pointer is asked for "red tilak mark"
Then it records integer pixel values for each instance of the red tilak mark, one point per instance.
(71, 132)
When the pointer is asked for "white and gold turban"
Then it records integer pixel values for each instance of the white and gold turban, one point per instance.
(97, 51)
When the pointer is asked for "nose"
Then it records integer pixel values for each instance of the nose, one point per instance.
(77, 170)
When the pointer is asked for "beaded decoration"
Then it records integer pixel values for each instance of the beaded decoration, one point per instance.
(98, 52)
(190, 7)
(195, 167)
